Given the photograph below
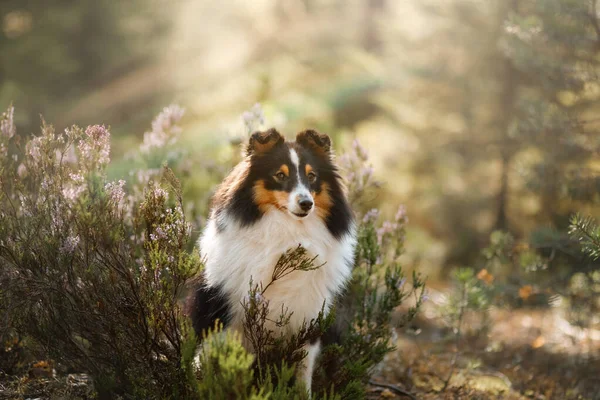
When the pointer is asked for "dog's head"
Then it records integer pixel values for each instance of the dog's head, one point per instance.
(294, 177)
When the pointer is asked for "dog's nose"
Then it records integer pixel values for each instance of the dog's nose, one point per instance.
(305, 204)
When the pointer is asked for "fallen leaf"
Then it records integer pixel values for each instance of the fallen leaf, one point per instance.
(525, 292)
(387, 394)
(490, 383)
(485, 276)
(538, 342)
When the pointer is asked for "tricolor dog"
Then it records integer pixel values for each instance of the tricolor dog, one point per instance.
(283, 194)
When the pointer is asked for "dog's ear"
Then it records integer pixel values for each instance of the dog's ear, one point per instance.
(318, 142)
(262, 142)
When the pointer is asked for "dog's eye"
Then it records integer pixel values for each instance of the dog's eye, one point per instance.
(312, 177)
(280, 176)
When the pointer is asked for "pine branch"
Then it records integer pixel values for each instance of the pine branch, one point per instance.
(586, 231)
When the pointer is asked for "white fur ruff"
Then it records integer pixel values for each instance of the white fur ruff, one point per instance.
(238, 254)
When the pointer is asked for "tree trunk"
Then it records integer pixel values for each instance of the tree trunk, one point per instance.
(508, 95)
(501, 214)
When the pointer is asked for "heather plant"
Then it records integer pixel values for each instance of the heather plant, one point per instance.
(93, 272)
(364, 325)
(359, 175)
(91, 278)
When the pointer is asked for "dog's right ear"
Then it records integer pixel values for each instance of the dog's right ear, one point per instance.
(262, 142)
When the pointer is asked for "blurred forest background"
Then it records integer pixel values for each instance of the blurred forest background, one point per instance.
(481, 116)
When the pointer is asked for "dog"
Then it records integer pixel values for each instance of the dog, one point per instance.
(281, 195)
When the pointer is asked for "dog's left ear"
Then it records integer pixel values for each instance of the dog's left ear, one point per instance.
(318, 142)
(263, 142)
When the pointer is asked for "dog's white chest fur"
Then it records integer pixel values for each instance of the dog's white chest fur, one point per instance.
(238, 254)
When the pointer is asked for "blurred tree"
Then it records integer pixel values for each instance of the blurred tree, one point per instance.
(54, 51)
(507, 88)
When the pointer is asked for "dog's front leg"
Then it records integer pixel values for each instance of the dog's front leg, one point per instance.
(307, 366)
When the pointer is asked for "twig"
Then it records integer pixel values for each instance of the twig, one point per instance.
(393, 388)
(457, 336)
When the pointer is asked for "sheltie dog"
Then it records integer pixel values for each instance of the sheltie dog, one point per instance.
(281, 195)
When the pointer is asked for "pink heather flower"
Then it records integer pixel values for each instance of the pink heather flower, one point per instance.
(77, 178)
(158, 192)
(256, 297)
(21, 170)
(344, 160)
(371, 216)
(160, 233)
(164, 129)
(386, 229)
(33, 148)
(254, 118)
(24, 207)
(7, 123)
(95, 147)
(73, 190)
(70, 245)
(360, 150)
(115, 191)
(401, 214)
(57, 221)
(367, 173)
(47, 182)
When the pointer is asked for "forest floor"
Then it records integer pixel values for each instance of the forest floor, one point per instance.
(524, 354)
